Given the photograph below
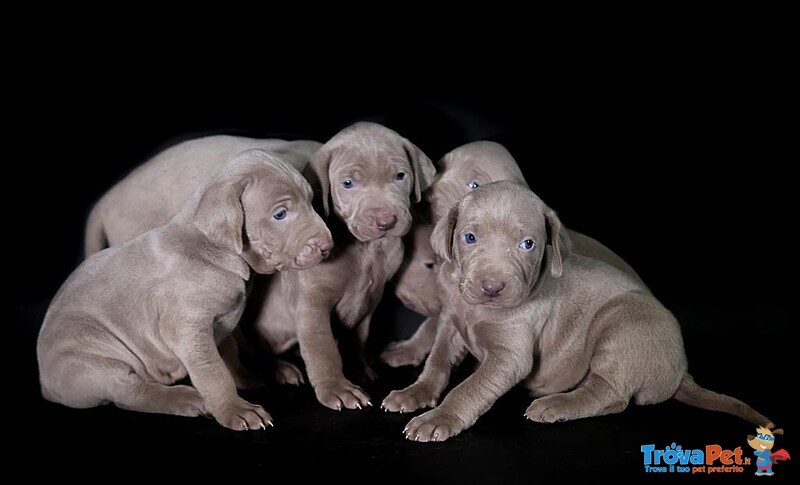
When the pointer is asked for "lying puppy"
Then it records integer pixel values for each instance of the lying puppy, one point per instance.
(155, 191)
(460, 171)
(583, 336)
(136, 318)
(371, 174)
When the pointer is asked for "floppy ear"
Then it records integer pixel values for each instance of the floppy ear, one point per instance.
(777, 431)
(423, 168)
(220, 215)
(559, 241)
(442, 235)
(317, 174)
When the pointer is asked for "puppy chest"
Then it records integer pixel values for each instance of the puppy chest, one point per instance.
(362, 295)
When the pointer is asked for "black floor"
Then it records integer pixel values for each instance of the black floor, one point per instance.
(366, 445)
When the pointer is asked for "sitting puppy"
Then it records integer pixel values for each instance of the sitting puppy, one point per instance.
(460, 171)
(156, 190)
(583, 336)
(371, 174)
(135, 318)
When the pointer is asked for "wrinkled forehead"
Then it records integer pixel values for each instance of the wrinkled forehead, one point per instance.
(276, 181)
(370, 158)
(499, 209)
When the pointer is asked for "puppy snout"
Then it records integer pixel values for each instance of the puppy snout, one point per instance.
(323, 243)
(492, 287)
(385, 221)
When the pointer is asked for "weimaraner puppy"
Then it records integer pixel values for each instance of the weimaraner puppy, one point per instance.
(136, 318)
(460, 171)
(583, 337)
(156, 190)
(371, 174)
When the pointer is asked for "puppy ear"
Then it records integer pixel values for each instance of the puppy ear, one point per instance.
(423, 168)
(317, 174)
(442, 235)
(220, 215)
(559, 242)
(777, 431)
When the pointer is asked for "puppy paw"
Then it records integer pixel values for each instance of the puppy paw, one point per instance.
(398, 354)
(240, 415)
(342, 394)
(288, 373)
(548, 409)
(413, 397)
(435, 425)
(184, 401)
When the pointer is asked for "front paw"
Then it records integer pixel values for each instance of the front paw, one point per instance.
(288, 373)
(435, 425)
(413, 397)
(398, 354)
(240, 415)
(342, 394)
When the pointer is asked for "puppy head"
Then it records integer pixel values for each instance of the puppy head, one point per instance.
(416, 280)
(371, 173)
(466, 168)
(260, 207)
(500, 239)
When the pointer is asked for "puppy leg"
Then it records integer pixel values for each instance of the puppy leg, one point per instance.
(593, 397)
(244, 379)
(288, 373)
(414, 350)
(363, 335)
(498, 373)
(448, 351)
(194, 344)
(323, 362)
(86, 380)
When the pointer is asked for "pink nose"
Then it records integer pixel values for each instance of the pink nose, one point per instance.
(385, 221)
(492, 287)
(324, 244)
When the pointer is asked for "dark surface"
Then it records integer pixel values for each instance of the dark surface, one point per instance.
(682, 180)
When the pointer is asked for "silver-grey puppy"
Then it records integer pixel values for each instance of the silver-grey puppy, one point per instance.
(584, 337)
(134, 319)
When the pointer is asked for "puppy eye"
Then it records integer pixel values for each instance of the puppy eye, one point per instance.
(279, 215)
(473, 184)
(347, 184)
(400, 176)
(469, 238)
(527, 244)
(429, 264)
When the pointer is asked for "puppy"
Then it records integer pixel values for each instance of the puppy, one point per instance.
(371, 174)
(156, 190)
(460, 171)
(584, 337)
(136, 318)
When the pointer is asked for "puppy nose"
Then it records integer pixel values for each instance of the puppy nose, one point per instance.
(324, 244)
(386, 221)
(492, 287)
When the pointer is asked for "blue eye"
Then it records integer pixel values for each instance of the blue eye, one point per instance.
(469, 238)
(279, 215)
(473, 185)
(347, 184)
(527, 244)
(400, 176)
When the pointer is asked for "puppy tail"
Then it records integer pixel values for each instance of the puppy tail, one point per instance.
(95, 237)
(690, 393)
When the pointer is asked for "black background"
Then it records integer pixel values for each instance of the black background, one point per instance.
(679, 164)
